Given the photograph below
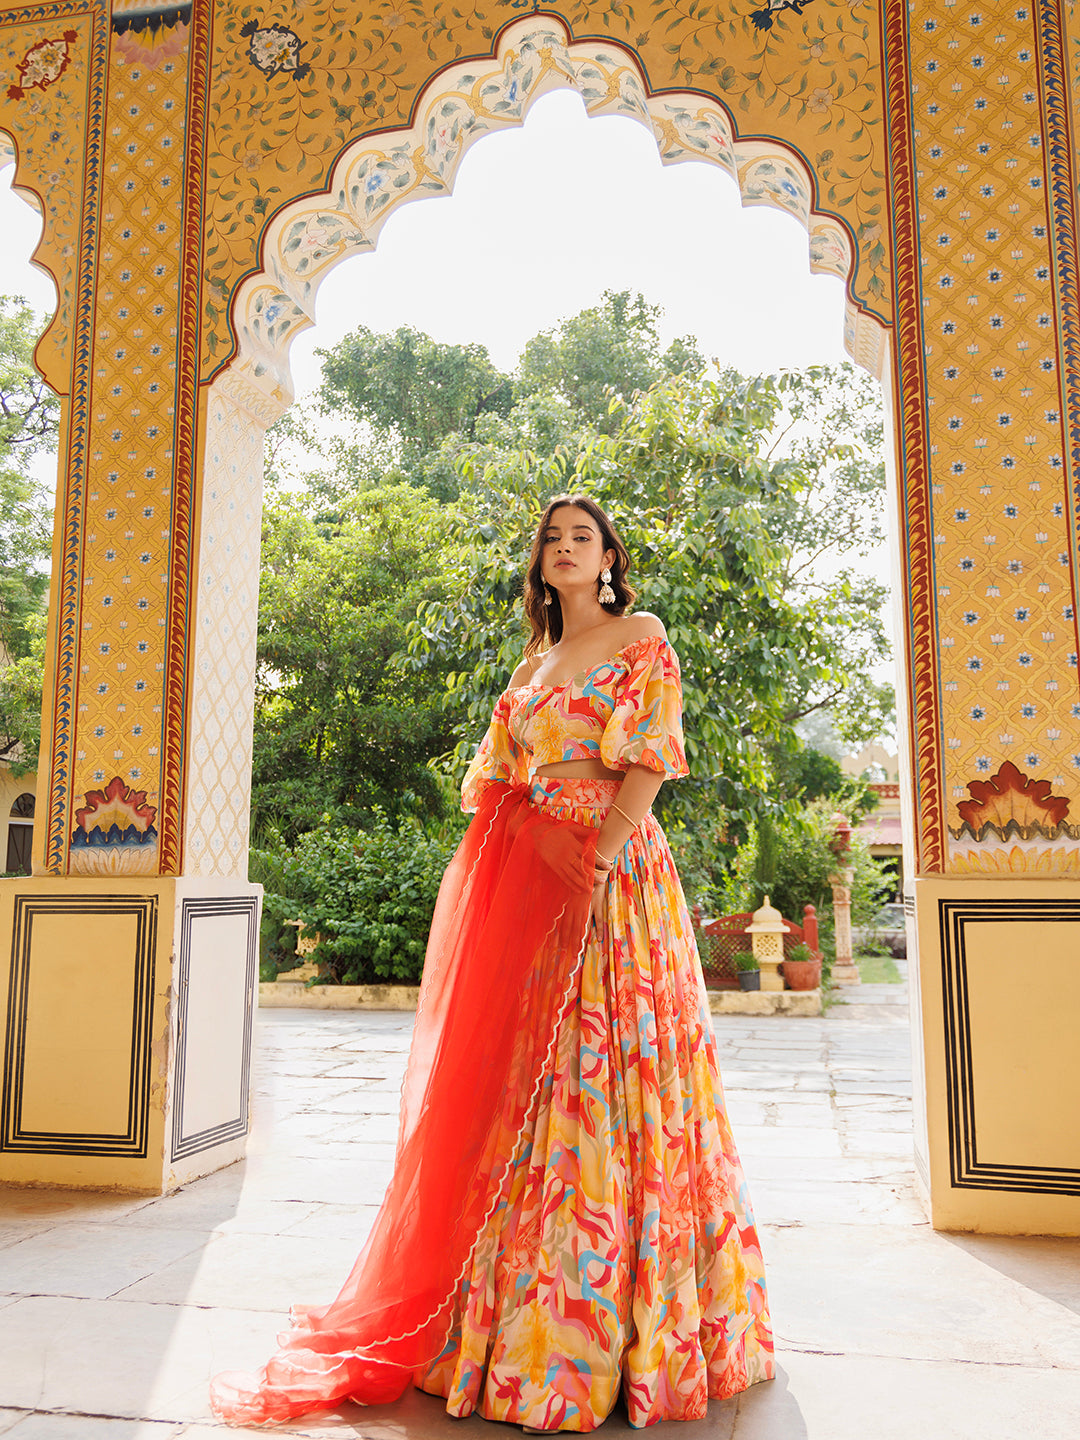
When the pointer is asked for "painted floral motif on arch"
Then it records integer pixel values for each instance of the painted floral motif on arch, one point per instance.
(275, 50)
(42, 108)
(149, 36)
(764, 19)
(114, 832)
(43, 64)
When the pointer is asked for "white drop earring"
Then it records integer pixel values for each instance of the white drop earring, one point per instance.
(606, 595)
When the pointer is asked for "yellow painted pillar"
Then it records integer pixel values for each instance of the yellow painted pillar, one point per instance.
(982, 136)
(132, 972)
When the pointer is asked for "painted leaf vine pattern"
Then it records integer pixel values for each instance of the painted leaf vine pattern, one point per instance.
(327, 75)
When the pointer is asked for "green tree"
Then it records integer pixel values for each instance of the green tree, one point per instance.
(29, 418)
(830, 426)
(413, 385)
(609, 351)
(402, 406)
(806, 774)
(803, 865)
(21, 683)
(340, 726)
(368, 895)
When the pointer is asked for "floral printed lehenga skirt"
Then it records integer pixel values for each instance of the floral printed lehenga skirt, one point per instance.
(621, 1254)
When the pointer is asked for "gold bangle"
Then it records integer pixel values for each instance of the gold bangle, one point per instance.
(625, 816)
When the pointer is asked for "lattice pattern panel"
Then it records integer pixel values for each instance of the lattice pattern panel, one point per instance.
(226, 618)
(1003, 543)
(127, 547)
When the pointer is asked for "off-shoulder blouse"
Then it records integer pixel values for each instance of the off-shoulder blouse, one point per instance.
(625, 711)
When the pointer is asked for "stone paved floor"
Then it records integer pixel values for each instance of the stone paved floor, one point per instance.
(113, 1311)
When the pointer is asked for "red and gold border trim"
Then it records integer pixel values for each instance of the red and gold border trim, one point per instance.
(910, 382)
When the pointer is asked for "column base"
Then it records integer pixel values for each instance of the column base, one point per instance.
(845, 974)
(128, 1013)
(995, 1014)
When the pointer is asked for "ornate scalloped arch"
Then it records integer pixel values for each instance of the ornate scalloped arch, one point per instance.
(51, 350)
(307, 238)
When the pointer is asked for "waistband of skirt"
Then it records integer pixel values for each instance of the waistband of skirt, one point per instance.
(577, 792)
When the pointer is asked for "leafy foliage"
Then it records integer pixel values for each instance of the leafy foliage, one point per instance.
(831, 427)
(413, 385)
(29, 418)
(806, 774)
(369, 895)
(804, 863)
(610, 351)
(21, 682)
(340, 726)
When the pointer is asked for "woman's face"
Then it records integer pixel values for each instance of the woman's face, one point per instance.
(572, 552)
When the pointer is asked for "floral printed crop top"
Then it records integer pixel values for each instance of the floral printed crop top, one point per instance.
(625, 711)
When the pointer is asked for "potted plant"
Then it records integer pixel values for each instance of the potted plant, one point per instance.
(747, 970)
(802, 969)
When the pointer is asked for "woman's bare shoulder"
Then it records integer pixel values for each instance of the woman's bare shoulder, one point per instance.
(642, 625)
(524, 673)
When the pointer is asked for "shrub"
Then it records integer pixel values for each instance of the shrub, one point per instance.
(277, 939)
(369, 896)
(746, 960)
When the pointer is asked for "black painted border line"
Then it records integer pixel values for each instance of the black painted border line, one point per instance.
(248, 905)
(132, 1144)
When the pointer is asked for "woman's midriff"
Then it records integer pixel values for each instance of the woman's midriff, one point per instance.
(580, 770)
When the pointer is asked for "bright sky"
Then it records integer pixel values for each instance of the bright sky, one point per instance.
(542, 220)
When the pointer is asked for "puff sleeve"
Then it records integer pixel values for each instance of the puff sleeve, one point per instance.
(645, 727)
(498, 758)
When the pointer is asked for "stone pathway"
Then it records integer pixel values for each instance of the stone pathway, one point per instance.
(114, 1311)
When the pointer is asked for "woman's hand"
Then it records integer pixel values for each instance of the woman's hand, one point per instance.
(598, 907)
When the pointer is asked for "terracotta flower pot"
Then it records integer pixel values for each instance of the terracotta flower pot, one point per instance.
(802, 974)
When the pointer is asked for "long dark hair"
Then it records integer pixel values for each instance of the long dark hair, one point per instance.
(545, 621)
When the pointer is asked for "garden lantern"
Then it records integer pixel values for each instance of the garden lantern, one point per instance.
(767, 932)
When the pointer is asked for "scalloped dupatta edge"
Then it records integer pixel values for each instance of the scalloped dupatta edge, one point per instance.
(503, 959)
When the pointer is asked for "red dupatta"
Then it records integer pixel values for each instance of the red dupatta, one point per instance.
(506, 940)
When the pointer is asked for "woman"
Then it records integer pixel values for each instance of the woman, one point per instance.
(588, 1231)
